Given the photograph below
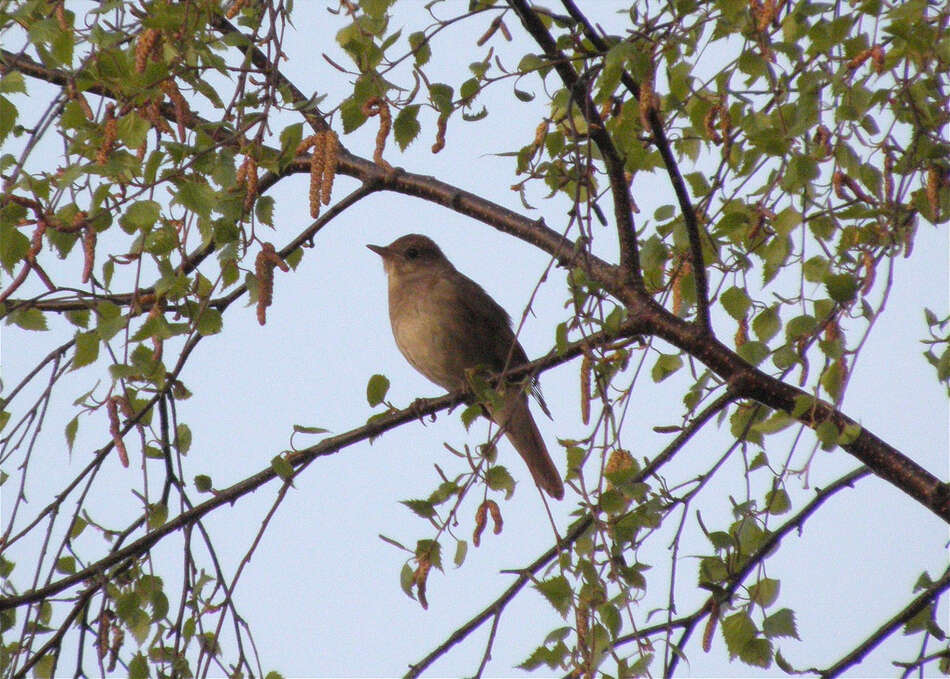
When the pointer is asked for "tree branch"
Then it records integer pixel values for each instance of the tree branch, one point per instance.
(578, 87)
(664, 147)
(927, 597)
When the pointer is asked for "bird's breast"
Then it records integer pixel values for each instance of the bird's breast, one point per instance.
(427, 333)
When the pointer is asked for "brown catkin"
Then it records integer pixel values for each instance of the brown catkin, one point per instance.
(330, 160)
(113, 413)
(420, 577)
(709, 124)
(143, 48)
(89, 252)
(877, 59)
(235, 8)
(856, 61)
(264, 270)
(109, 134)
(889, 176)
(250, 193)
(316, 173)
(585, 389)
(378, 106)
(934, 179)
(440, 126)
(495, 513)
(481, 517)
(170, 88)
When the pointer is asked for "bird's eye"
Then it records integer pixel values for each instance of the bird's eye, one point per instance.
(412, 253)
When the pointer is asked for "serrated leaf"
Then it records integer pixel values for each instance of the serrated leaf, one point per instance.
(376, 389)
(777, 501)
(558, 592)
(766, 324)
(780, 624)
(406, 127)
(736, 302)
(87, 349)
(209, 322)
(738, 630)
(29, 319)
(498, 478)
(842, 288)
(421, 508)
(470, 414)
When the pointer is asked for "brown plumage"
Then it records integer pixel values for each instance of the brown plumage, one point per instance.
(445, 324)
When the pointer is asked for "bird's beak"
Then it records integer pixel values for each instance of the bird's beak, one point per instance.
(381, 250)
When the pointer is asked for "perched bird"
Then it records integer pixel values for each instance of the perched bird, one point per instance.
(445, 324)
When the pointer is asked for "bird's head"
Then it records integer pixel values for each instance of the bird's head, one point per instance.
(411, 254)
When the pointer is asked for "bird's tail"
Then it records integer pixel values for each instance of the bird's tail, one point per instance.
(520, 428)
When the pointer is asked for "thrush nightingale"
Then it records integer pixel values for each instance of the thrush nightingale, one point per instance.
(445, 325)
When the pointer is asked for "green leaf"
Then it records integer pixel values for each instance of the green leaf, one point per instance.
(849, 434)
(407, 579)
(43, 668)
(71, 428)
(196, 195)
(780, 624)
(736, 302)
(827, 433)
(157, 515)
(498, 478)
(12, 82)
(753, 352)
(87, 349)
(558, 593)
(666, 365)
(842, 288)
(406, 127)
(421, 508)
(470, 414)
(461, 550)
(775, 254)
(203, 483)
(832, 379)
(138, 667)
(764, 592)
(66, 565)
(441, 96)
(351, 113)
(420, 47)
(738, 630)
(815, 269)
(209, 322)
(29, 319)
(376, 389)
(282, 467)
(712, 570)
(766, 324)
(777, 501)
